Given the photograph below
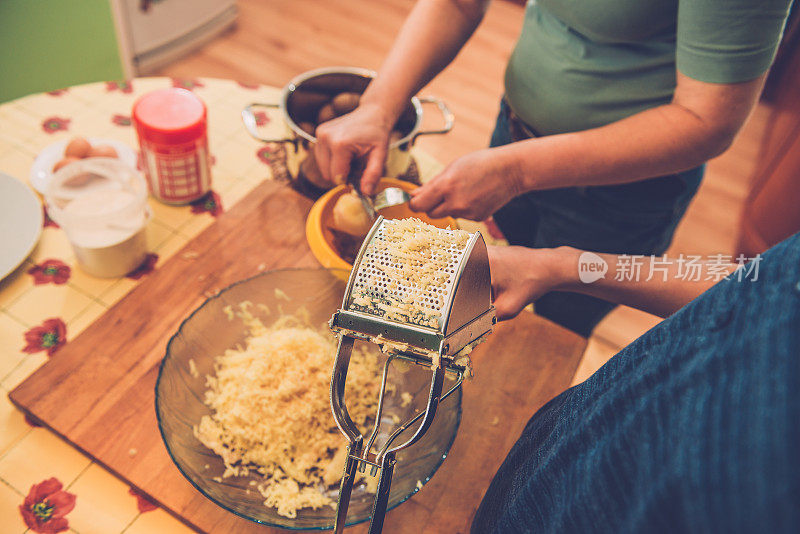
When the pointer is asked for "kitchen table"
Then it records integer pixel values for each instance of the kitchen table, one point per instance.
(53, 316)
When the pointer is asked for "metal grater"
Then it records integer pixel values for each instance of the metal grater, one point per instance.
(452, 311)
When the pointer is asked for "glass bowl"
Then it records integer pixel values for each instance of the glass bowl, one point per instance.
(207, 333)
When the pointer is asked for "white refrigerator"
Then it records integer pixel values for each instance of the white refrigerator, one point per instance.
(152, 33)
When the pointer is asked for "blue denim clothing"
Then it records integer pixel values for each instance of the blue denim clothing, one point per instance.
(694, 427)
(635, 218)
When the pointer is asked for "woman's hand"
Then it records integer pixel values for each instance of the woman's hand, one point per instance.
(521, 275)
(473, 187)
(363, 133)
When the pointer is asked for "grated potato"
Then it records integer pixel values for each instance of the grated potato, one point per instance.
(271, 413)
(193, 369)
(421, 256)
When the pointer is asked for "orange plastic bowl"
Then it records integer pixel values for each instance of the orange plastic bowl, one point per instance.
(320, 238)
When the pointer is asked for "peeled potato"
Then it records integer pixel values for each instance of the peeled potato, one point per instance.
(64, 161)
(349, 216)
(345, 102)
(79, 147)
(103, 151)
(326, 113)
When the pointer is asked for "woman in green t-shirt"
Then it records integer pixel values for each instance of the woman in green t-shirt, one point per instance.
(611, 109)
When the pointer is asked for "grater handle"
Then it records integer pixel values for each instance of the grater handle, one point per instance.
(346, 486)
(379, 410)
(437, 380)
(382, 495)
(338, 379)
(399, 430)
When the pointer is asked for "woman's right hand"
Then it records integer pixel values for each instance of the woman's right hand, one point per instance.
(362, 133)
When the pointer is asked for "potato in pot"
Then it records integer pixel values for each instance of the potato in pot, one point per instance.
(344, 103)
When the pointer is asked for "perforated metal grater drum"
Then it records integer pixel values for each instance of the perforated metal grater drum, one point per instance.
(423, 297)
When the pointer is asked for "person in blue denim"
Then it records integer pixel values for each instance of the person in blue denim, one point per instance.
(693, 427)
(611, 109)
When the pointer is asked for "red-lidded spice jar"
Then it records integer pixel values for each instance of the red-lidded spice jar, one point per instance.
(172, 130)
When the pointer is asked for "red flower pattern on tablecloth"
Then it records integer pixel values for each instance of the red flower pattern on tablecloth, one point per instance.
(47, 220)
(55, 124)
(493, 229)
(146, 267)
(142, 503)
(262, 119)
(121, 120)
(50, 271)
(268, 153)
(57, 92)
(248, 85)
(187, 83)
(50, 336)
(125, 86)
(44, 508)
(208, 203)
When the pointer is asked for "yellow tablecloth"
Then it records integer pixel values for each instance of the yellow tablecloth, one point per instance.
(48, 300)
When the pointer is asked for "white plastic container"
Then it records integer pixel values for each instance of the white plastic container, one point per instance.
(101, 204)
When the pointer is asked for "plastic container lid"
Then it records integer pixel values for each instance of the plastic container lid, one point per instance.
(170, 116)
(97, 196)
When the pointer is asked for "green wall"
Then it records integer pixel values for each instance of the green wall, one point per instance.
(50, 44)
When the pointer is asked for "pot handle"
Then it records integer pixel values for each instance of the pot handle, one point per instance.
(249, 119)
(448, 116)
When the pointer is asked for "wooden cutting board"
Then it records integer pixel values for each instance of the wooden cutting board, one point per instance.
(98, 392)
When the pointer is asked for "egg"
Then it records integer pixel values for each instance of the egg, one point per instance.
(78, 147)
(350, 217)
(64, 161)
(103, 151)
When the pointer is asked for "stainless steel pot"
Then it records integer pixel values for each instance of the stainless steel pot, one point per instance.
(300, 103)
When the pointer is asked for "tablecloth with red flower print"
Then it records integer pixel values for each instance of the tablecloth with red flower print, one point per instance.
(45, 484)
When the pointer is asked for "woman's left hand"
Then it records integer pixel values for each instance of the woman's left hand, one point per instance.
(472, 187)
(521, 275)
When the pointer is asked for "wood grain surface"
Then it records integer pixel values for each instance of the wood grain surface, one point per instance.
(99, 392)
(321, 33)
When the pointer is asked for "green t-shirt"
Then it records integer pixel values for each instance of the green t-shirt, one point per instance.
(580, 64)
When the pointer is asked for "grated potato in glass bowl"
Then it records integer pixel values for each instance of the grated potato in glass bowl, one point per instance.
(242, 400)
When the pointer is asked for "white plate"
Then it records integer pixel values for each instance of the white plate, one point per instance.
(42, 168)
(21, 218)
